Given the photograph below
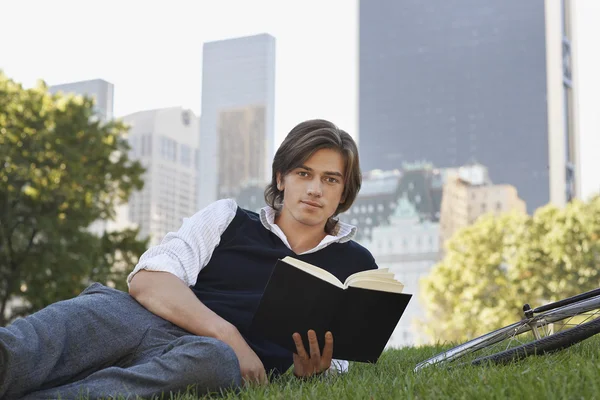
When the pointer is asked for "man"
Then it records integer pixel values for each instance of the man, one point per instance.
(185, 321)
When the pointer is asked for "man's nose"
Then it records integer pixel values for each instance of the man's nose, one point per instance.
(315, 188)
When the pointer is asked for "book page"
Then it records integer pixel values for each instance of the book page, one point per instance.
(314, 270)
(392, 286)
(380, 273)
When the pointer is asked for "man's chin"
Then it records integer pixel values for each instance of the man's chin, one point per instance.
(307, 221)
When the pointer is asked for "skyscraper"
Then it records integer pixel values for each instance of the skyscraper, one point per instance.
(101, 90)
(460, 81)
(237, 122)
(165, 141)
(103, 94)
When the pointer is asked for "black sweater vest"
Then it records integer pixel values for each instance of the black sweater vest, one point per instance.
(232, 282)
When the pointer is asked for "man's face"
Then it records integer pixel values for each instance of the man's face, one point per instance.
(313, 191)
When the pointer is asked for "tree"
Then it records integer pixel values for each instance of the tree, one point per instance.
(62, 169)
(494, 266)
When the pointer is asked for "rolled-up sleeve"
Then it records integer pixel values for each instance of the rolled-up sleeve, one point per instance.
(184, 253)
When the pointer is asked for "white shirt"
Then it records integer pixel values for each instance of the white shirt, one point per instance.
(184, 253)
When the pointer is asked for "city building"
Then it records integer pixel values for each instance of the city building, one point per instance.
(420, 183)
(409, 247)
(103, 94)
(165, 141)
(457, 81)
(237, 124)
(469, 193)
(99, 89)
(252, 197)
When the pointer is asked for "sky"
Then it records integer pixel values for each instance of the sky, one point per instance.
(152, 52)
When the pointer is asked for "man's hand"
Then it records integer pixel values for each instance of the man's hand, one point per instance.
(252, 369)
(306, 365)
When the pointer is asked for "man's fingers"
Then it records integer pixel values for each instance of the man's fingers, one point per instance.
(263, 380)
(256, 377)
(313, 342)
(249, 379)
(299, 346)
(315, 351)
(327, 351)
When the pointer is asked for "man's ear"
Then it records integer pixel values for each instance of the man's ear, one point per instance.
(280, 185)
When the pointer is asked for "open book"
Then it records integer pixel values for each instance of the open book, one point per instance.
(361, 312)
(375, 279)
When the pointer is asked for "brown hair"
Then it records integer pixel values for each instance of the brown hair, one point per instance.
(300, 144)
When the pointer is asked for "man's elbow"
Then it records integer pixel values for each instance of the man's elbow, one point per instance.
(138, 285)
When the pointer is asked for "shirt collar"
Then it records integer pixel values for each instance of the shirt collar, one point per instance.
(343, 232)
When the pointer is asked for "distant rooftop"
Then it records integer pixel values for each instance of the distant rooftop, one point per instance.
(379, 182)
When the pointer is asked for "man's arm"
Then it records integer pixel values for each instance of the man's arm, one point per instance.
(167, 296)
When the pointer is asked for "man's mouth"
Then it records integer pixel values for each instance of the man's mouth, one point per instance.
(312, 203)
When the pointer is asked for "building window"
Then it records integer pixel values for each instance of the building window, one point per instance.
(168, 148)
(146, 145)
(566, 23)
(133, 144)
(566, 62)
(570, 183)
(186, 155)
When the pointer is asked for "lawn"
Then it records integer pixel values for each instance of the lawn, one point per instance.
(573, 373)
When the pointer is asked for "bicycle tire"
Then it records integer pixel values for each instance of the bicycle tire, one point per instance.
(549, 344)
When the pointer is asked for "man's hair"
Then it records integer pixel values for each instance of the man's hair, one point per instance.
(300, 144)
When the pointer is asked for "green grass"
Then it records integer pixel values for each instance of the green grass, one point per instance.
(573, 373)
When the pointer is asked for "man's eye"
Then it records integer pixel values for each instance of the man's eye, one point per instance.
(332, 180)
(302, 173)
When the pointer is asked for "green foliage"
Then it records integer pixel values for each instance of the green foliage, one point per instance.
(494, 266)
(60, 170)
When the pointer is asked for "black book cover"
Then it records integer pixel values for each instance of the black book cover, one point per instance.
(361, 320)
(364, 323)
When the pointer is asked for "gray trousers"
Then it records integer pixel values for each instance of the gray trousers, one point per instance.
(104, 343)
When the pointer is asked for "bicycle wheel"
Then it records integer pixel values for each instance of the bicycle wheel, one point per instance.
(555, 342)
(545, 332)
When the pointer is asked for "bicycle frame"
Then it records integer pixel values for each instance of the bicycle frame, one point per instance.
(547, 314)
(567, 301)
